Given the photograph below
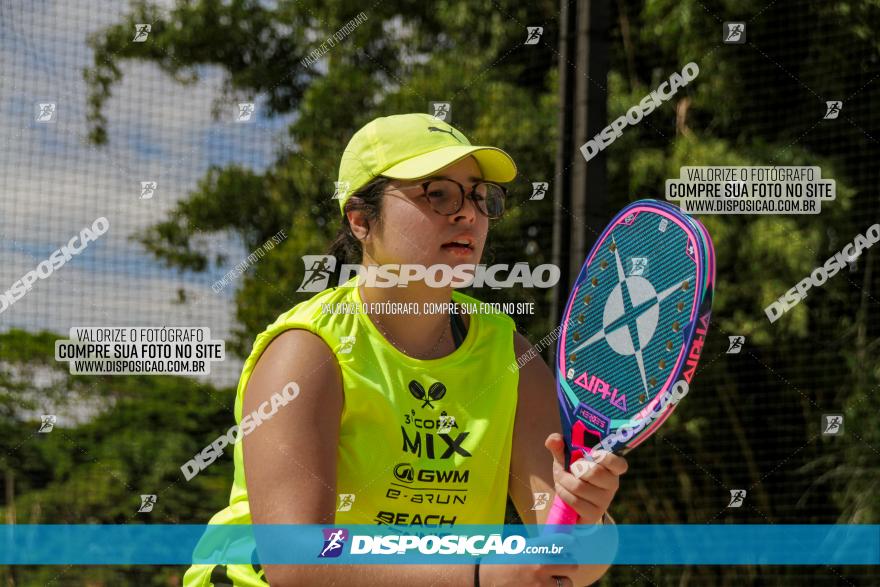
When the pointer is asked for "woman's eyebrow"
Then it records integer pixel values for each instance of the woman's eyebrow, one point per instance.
(471, 178)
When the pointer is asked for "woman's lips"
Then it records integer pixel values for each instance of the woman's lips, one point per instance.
(458, 250)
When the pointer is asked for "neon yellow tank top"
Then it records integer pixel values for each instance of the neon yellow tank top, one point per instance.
(422, 442)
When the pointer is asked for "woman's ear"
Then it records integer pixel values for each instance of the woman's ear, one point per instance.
(360, 225)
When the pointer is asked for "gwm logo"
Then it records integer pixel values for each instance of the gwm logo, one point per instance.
(405, 473)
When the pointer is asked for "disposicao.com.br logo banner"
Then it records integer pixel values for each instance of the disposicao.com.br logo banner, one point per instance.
(440, 544)
(660, 544)
(424, 544)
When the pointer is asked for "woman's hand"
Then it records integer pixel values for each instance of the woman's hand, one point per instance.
(590, 490)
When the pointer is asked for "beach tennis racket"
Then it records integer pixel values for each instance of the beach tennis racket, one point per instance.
(632, 331)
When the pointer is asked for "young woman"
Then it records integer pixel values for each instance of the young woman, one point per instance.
(409, 419)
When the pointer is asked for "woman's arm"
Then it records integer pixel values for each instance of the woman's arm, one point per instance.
(537, 430)
(290, 463)
(537, 417)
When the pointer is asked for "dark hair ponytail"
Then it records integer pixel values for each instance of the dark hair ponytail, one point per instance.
(345, 246)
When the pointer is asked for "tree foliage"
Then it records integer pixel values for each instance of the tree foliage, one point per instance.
(752, 421)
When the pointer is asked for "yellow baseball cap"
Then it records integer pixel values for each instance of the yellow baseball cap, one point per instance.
(412, 146)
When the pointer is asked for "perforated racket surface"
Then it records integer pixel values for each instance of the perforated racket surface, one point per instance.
(633, 326)
(703, 317)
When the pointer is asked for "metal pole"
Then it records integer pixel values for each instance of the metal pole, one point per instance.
(561, 187)
(589, 179)
(580, 193)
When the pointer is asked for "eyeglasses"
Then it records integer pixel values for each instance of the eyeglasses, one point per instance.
(446, 196)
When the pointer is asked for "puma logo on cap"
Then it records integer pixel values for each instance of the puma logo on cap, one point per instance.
(435, 129)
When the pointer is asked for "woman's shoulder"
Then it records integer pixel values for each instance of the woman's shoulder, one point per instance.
(326, 302)
(313, 318)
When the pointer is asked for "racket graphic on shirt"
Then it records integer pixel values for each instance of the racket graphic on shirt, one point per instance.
(435, 392)
(632, 331)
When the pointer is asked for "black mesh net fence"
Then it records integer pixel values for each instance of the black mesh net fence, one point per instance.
(200, 144)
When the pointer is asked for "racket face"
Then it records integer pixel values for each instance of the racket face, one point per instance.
(703, 316)
(708, 246)
(628, 327)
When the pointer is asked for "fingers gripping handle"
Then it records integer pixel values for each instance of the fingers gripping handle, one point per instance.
(562, 514)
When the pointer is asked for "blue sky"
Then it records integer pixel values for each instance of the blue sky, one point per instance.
(53, 184)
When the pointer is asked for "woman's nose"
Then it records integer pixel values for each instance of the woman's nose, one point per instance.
(468, 210)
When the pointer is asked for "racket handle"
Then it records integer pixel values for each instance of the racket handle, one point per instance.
(561, 513)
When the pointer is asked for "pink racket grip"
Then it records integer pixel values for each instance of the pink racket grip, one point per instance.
(561, 513)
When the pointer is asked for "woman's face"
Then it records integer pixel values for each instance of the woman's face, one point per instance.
(412, 232)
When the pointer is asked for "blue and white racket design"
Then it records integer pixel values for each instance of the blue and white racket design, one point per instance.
(632, 331)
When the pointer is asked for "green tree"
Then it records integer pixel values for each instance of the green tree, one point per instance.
(752, 421)
(144, 430)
